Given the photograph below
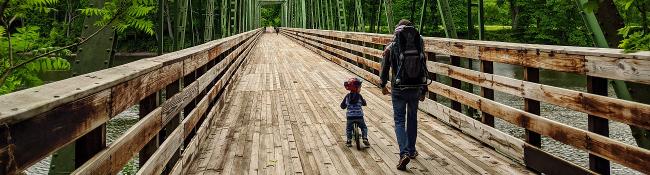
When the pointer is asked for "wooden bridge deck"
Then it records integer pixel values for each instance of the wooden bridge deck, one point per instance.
(284, 117)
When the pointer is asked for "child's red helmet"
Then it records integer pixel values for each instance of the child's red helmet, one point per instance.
(353, 85)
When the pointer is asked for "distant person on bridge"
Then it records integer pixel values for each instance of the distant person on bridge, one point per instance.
(277, 30)
(405, 56)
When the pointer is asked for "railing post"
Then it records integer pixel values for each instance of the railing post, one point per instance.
(598, 125)
(455, 105)
(487, 67)
(187, 80)
(171, 90)
(89, 145)
(147, 105)
(532, 106)
(434, 77)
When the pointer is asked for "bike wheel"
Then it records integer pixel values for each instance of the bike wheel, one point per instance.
(357, 136)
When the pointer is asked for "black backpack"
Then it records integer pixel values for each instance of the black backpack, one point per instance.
(411, 63)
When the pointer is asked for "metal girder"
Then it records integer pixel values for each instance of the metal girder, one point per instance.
(225, 30)
(379, 16)
(319, 14)
(423, 10)
(303, 15)
(359, 16)
(342, 18)
(233, 17)
(93, 55)
(161, 27)
(447, 22)
(209, 21)
(388, 5)
(181, 23)
(481, 22)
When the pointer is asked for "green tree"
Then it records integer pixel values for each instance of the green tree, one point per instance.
(28, 52)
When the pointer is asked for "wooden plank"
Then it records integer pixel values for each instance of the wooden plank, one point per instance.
(532, 106)
(111, 161)
(364, 74)
(598, 125)
(546, 163)
(146, 106)
(487, 67)
(28, 103)
(628, 112)
(635, 157)
(313, 117)
(455, 105)
(28, 141)
(34, 105)
(599, 62)
(24, 104)
(89, 145)
(504, 143)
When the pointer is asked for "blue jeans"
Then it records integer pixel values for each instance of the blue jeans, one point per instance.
(405, 109)
(362, 125)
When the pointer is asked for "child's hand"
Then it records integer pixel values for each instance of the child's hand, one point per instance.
(385, 91)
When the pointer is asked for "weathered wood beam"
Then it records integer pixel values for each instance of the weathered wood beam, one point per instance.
(45, 118)
(597, 62)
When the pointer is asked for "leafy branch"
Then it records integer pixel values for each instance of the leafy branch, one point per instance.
(9, 70)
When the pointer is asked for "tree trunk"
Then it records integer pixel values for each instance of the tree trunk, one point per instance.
(514, 12)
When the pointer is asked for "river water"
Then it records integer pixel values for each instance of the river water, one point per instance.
(618, 131)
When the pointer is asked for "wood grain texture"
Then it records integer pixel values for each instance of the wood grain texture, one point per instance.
(598, 62)
(24, 104)
(159, 159)
(627, 155)
(567, 59)
(282, 117)
(628, 112)
(28, 141)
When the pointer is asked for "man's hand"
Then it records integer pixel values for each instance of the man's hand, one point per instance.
(423, 96)
(385, 91)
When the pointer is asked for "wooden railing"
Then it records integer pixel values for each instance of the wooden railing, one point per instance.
(359, 53)
(38, 121)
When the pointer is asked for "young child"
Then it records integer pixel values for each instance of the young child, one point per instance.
(353, 102)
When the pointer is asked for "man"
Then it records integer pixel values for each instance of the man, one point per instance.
(405, 57)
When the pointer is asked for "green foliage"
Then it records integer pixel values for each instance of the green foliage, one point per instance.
(22, 8)
(25, 44)
(125, 14)
(270, 15)
(634, 39)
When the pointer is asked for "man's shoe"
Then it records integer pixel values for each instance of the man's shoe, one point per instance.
(366, 142)
(413, 155)
(403, 162)
(348, 143)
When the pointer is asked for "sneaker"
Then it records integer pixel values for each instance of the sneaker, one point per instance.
(403, 161)
(413, 155)
(348, 143)
(366, 142)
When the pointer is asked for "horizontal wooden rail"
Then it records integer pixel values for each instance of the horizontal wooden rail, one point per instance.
(587, 61)
(40, 120)
(597, 62)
